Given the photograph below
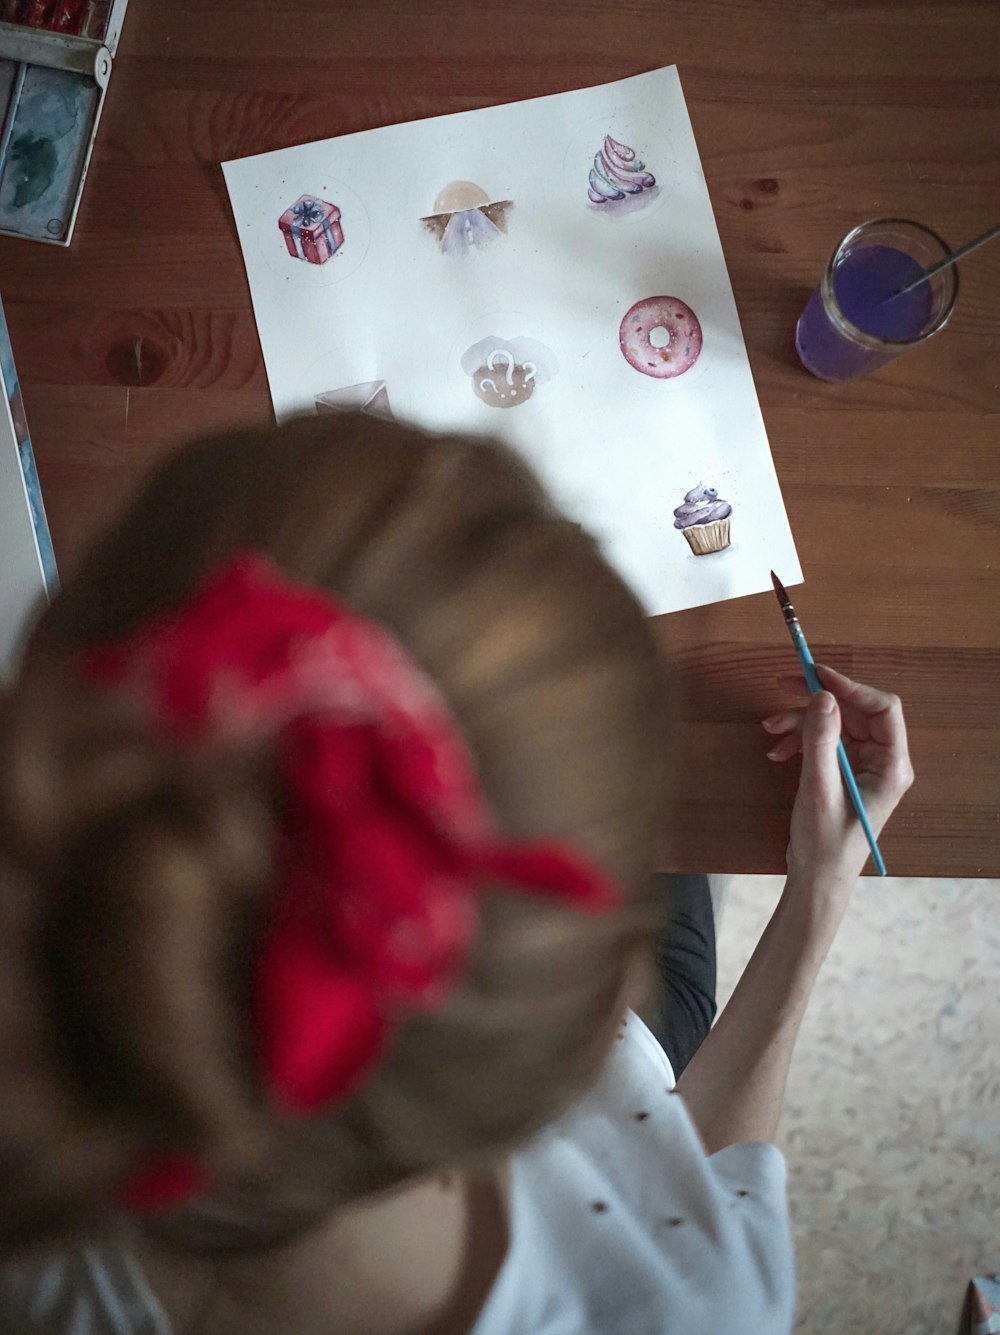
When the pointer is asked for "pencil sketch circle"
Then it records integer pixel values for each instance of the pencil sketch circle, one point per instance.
(311, 232)
(617, 170)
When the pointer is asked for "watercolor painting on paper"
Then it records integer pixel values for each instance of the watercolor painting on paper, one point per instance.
(660, 337)
(466, 219)
(506, 373)
(372, 398)
(547, 274)
(704, 520)
(618, 180)
(312, 229)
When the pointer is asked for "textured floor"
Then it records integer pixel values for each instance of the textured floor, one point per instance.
(892, 1121)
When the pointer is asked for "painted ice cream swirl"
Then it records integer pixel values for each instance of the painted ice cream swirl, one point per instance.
(617, 173)
(702, 505)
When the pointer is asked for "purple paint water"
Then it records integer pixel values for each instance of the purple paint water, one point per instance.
(862, 282)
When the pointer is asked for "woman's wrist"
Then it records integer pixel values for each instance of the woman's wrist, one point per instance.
(817, 901)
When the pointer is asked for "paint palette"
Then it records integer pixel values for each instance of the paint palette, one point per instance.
(79, 18)
(55, 64)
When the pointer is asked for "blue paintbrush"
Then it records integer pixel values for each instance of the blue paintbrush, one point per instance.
(814, 684)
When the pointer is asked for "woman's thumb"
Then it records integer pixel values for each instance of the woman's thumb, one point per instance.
(820, 735)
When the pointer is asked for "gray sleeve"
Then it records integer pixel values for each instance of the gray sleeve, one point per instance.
(90, 1291)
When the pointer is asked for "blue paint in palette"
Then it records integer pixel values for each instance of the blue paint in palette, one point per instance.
(46, 136)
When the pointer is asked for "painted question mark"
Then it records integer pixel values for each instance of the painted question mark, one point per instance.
(502, 352)
(529, 375)
(484, 383)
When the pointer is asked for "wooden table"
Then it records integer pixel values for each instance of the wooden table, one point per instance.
(811, 115)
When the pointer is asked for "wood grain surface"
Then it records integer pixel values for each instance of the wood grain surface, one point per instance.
(811, 116)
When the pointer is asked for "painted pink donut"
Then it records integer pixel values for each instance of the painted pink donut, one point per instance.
(661, 337)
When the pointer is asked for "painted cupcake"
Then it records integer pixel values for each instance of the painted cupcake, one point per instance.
(704, 520)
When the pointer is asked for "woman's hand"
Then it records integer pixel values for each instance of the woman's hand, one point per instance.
(734, 1084)
(827, 845)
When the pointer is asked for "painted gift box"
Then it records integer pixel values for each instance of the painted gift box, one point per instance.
(312, 230)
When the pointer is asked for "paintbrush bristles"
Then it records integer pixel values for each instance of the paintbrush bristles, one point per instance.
(784, 601)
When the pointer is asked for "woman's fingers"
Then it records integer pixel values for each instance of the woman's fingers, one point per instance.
(869, 699)
(883, 713)
(866, 699)
(870, 717)
(786, 728)
(787, 746)
(783, 722)
(854, 724)
(865, 710)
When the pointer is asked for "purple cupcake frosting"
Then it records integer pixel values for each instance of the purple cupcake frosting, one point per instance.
(702, 505)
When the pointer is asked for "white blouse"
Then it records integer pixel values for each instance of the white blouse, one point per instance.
(620, 1224)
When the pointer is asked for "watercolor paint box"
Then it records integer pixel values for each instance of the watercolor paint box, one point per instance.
(28, 577)
(56, 59)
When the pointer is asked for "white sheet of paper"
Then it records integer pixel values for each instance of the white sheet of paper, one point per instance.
(502, 315)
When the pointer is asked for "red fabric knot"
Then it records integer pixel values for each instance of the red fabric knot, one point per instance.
(387, 839)
(163, 1183)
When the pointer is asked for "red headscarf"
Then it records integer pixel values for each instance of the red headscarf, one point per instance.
(387, 841)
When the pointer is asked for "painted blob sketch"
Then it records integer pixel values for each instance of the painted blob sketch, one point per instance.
(704, 520)
(465, 219)
(505, 373)
(35, 163)
(312, 229)
(660, 337)
(48, 142)
(618, 181)
(371, 397)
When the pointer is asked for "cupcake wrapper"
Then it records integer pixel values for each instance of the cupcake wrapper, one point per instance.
(706, 538)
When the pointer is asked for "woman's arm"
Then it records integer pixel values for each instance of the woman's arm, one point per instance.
(734, 1086)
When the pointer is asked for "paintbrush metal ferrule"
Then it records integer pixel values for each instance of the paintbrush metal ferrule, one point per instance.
(796, 633)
